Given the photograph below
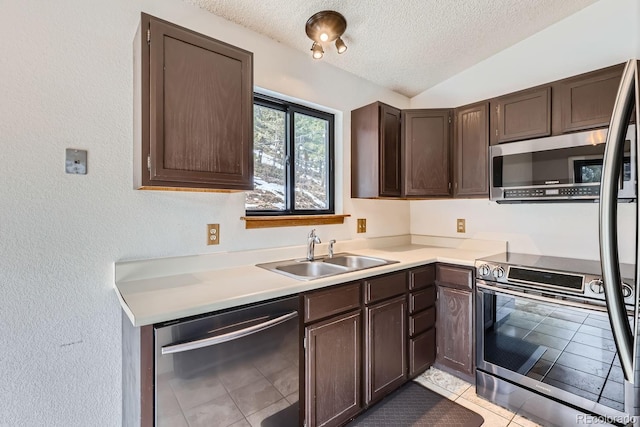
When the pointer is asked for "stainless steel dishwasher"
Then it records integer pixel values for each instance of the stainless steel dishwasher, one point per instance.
(223, 368)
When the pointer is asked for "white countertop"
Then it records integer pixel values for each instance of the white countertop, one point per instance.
(181, 288)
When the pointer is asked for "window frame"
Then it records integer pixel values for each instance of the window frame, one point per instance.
(290, 109)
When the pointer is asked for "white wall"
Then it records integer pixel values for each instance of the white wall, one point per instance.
(66, 81)
(603, 34)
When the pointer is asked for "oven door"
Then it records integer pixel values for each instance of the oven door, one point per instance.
(557, 348)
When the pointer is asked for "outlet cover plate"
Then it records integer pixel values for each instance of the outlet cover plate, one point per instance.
(213, 234)
(461, 225)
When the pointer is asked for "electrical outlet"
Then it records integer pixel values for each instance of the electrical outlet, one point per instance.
(461, 226)
(213, 234)
(362, 225)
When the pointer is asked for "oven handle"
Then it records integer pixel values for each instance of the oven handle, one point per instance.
(608, 217)
(494, 289)
(230, 336)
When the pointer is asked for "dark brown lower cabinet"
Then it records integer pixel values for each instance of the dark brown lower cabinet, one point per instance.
(455, 332)
(333, 361)
(422, 352)
(386, 343)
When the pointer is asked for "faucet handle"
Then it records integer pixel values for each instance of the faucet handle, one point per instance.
(314, 237)
(331, 243)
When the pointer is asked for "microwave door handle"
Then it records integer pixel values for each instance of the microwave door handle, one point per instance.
(230, 336)
(608, 220)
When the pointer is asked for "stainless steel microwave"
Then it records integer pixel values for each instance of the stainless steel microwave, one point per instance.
(558, 168)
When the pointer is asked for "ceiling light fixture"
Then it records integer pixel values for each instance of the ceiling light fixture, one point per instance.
(326, 26)
(317, 50)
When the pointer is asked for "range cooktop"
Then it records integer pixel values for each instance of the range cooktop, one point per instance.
(552, 263)
(559, 276)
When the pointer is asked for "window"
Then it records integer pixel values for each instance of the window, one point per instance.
(293, 159)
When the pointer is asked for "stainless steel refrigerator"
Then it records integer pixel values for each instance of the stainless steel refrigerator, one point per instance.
(624, 323)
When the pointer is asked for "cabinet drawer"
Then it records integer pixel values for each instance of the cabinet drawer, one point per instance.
(420, 300)
(385, 287)
(325, 303)
(422, 352)
(455, 277)
(422, 277)
(418, 323)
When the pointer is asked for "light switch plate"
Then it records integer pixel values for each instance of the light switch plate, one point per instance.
(76, 161)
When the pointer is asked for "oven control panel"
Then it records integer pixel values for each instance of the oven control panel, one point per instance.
(549, 282)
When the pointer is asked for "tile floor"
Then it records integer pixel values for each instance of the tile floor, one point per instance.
(464, 394)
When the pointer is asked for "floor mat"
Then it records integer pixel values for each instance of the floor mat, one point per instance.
(415, 406)
(512, 353)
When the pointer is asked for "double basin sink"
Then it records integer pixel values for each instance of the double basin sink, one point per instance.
(323, 267)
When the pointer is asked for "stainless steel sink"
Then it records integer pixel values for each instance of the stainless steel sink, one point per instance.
(355, 262)
(323, 267)
(311, 269)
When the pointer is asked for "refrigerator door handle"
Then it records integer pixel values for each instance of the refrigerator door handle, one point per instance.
(609, 259)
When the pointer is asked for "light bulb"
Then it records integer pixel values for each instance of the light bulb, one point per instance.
(317, 51)
(340, 46)
(324, 37)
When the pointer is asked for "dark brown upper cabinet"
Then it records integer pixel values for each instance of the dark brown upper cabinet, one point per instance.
(522, 115)
(586, 101)
(196, 110)
(375, 151)
(471, 151)
(426, 142)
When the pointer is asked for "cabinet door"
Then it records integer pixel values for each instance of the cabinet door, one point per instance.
(455, 333)
(386, 347)
(471, 151)
(587, 101)
(523, 115)
(422, 352)
(200, 111)
(426, 152)
(390, 170)
(333, 358)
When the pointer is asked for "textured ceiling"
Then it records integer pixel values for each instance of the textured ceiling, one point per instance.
(406, 46)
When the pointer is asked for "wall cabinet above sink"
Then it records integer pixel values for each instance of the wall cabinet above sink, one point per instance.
(193, 110)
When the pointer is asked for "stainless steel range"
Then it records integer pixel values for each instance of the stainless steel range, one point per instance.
(544, 343)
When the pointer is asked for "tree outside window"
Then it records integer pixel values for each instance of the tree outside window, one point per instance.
(293, 160)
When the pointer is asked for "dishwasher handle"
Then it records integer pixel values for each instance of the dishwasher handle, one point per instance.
(230, 336)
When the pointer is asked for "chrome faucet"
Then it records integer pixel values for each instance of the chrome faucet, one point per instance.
(311, 244)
